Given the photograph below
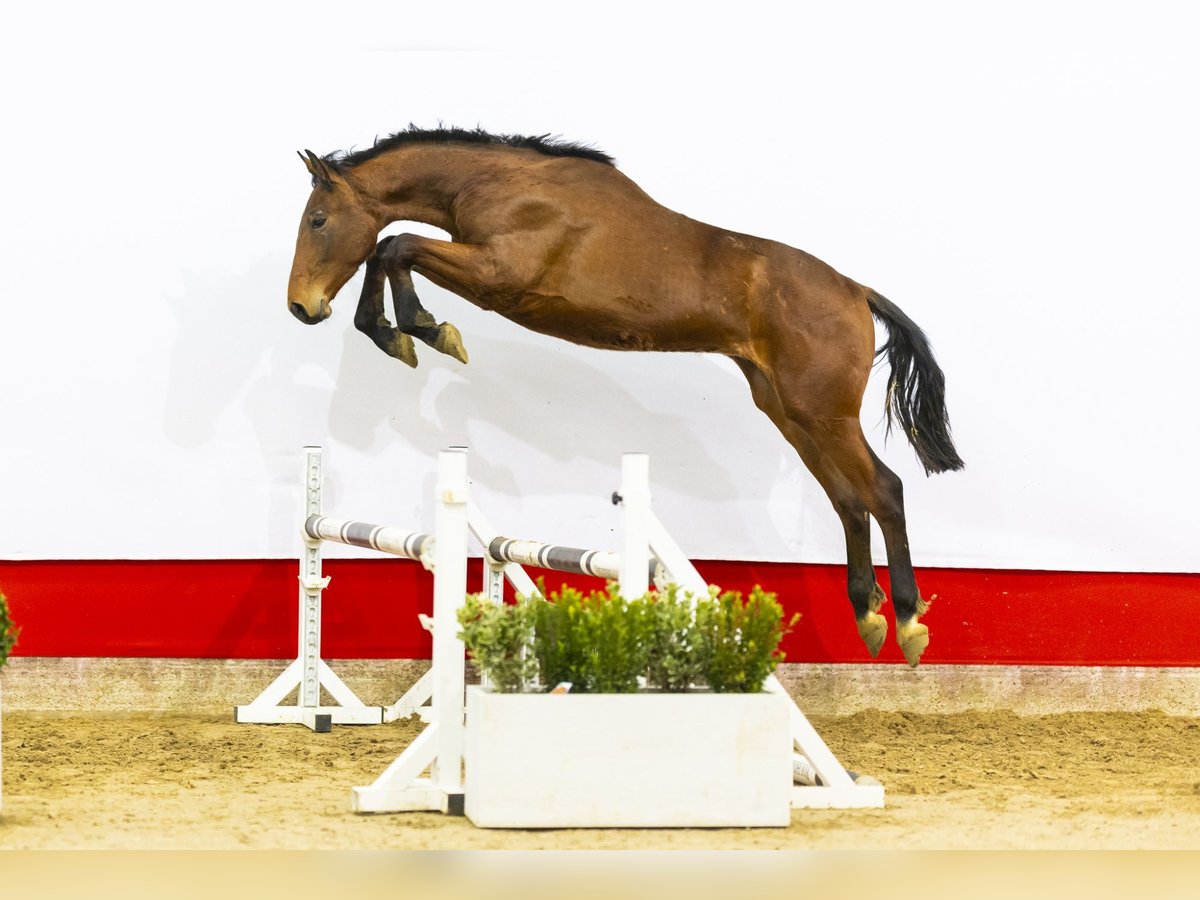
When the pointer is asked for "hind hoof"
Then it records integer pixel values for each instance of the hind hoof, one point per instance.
(449, 341)
(872, 628)
(913, 638)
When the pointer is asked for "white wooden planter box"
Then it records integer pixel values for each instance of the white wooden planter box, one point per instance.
(627, 760)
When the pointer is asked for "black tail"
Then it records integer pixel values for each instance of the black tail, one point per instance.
(916, 396)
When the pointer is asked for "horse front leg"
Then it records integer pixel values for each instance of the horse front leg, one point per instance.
(370, 319)
(399, 255)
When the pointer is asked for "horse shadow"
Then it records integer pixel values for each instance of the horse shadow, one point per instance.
(545, 399)
(523, 396)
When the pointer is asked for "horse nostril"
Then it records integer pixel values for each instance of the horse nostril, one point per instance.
(300, 311)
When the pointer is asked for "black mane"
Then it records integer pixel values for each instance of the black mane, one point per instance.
(545, 143)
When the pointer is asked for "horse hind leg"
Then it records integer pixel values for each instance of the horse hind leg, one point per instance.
(823, 402)
(866, 596)
(884, 494)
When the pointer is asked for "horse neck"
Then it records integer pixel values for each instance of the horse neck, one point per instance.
(420, 183)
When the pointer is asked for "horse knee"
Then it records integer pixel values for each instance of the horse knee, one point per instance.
(399, 250)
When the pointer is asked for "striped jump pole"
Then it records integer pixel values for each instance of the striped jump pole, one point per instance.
(634, 568)
(597, 563)
(384, 538)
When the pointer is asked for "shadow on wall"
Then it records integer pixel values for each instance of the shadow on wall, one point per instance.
(563, 403)
(239, 354)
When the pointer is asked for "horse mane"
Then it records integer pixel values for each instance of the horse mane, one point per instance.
(547, 144)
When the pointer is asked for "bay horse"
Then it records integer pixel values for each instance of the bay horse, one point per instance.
(552, 236)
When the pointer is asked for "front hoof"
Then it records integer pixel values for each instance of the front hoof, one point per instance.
(449, 341)
(913, 638)
(872, 628)
(402, 349)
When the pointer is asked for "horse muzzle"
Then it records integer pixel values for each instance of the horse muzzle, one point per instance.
(307, 316)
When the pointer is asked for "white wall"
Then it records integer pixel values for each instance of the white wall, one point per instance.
(1022, 180)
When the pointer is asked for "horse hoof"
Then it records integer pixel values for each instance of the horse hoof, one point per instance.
(877, 598)
(449, 341)
(872, 628)
(404, 350)
(913, 638)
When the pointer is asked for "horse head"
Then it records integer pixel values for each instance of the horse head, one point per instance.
(337, 234)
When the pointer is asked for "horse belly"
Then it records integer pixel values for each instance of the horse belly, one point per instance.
(623, 296)
(619, 324)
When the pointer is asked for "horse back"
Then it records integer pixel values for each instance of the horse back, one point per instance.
(587, 255)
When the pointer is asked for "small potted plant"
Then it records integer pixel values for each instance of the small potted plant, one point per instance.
(8, 638)
(602, 710)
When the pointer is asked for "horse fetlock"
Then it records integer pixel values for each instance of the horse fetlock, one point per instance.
(449, 341)
(872, 628)
(877, 598)
(913, 638)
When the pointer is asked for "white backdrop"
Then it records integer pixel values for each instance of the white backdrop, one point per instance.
(1022, 180)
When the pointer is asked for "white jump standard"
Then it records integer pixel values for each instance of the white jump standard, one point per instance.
(308, 673)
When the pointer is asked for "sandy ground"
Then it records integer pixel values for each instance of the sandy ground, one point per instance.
(969, 781)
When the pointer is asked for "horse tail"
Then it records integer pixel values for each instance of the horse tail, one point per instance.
(916, 396)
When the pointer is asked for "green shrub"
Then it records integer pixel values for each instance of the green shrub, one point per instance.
(738, 640)
(595, 641)
(602, 642)
(562, 638)
(674, 662)
(499, 638)
(8, 631)
(621, 650)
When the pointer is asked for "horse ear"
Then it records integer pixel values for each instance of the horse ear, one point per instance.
(318, 169)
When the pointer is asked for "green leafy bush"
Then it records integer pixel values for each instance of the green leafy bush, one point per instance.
(562, 638)
(602, 642)
(499, 637)
(674, 651)
(8, 631)
(738, 639)
(595, 641)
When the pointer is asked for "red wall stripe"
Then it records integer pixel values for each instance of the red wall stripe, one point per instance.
(248, 609)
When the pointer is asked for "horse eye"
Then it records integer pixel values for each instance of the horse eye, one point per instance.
(318, 222)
